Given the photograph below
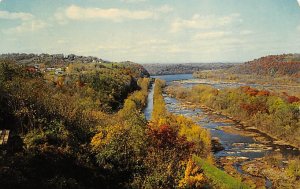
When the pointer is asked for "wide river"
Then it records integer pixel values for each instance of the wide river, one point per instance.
(235, 145)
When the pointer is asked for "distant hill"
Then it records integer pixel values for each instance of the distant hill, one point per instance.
(184, 68)
(285, 64)
(23, 58)
(58, 60)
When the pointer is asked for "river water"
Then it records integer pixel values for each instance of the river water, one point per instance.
(235, 145)
(149, 107)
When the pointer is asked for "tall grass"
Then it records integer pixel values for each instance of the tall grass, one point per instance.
(218, 178)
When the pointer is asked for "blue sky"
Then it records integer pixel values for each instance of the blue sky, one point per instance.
(151, 31)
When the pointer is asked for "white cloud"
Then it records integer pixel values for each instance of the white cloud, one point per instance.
(299, 2)
(176, 49)
(15, 15)
(153, 42)
(140, 44)
(165, 9)
(211, 35)
(75, 12)
(60, 17)
(133, 1)
(28, 26)
(222, 36)
(203, 22)
(61, 41)
(246, 32)
(28, 22)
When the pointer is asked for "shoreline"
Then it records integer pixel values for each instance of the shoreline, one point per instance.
(234, 165)
(238, 167)
(252, 129)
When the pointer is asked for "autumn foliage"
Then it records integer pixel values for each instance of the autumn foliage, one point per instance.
(255, 92)
(60, 124)
(274, 113)
(286, 64)
(290, 99)
(165, 137)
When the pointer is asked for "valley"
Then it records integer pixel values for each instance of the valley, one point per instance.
(238, 146)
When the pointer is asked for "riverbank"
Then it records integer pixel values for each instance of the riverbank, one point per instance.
(277, 169)
(232, 164)
(243, 128)
(275, 84)
(226, 157)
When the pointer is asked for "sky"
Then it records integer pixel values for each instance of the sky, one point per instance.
(152, 31)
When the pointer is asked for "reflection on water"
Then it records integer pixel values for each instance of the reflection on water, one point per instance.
(176, 77)
(217, 84)
(149, 108)
(168, 78)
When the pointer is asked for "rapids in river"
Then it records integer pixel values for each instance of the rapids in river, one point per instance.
(242, 147)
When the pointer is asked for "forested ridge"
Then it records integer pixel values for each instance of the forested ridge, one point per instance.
(54, 118)
(276, 73)
(80, 125)
(61, 60)
(83, 127)
(272, 65)
(185, 68)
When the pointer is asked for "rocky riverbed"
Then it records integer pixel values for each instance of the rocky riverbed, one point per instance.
(237, 148)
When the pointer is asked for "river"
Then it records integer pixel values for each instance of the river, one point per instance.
(149, 107)
(235, 145)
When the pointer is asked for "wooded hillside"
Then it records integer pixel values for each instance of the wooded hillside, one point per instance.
(286, 64)
(61, 60)
(54, 111)
(185, 68)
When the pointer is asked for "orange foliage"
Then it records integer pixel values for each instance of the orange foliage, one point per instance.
(271, 65)
(166, 137)
(292, 99)
(263, 93)
(250, 91)
(193, 176)
(255, 92)
(253, 108)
